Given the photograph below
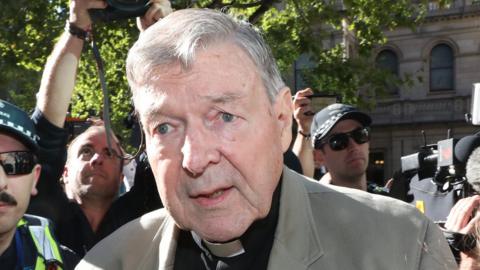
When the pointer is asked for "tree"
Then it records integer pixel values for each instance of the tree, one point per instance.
(292, 28)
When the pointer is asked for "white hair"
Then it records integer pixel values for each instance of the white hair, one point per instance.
(177, 37)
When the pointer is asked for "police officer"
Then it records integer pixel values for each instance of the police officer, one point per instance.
(26, 241)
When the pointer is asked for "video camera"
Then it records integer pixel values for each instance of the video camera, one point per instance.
(120, 9)
(436, 162)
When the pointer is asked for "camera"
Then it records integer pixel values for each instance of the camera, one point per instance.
(436, 162)
(434, 178)
(120, 9)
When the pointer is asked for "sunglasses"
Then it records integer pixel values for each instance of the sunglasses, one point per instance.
(18, 162)
(340, 141)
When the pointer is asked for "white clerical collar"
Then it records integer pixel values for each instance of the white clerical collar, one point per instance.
(226, 250)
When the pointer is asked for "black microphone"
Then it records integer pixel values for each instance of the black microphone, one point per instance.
(465, 146)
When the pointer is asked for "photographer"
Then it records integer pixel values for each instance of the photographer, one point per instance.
(92, 172)
(463, 222)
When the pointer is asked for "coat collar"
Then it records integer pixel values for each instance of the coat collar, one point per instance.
(296, 244)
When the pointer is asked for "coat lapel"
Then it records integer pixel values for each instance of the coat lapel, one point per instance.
(296, 244)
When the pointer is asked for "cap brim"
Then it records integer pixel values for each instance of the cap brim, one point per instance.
(25, 140)
(361, 117)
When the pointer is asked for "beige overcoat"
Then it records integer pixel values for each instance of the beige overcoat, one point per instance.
(320, 227)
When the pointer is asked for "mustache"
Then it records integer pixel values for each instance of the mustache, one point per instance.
(7, 198)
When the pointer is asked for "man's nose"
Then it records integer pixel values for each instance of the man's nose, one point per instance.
(3, 179)
(97, 159)
(352, 143)
(199, 150)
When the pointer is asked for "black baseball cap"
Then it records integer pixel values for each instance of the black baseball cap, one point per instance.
(18, 124)
(324, 120)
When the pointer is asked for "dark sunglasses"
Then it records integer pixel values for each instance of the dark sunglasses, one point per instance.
(18, 162)
(340, 141)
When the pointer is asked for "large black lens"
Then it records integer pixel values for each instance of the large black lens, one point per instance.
(338, 142)
(17, 162)
(360, 136)
(128, 5)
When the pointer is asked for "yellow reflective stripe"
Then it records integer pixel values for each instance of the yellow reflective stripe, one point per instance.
(53, 243)
(40, 264)
(21, 222)
(35, 241)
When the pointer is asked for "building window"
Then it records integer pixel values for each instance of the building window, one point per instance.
(441, 68)
(302, 66)
(376, 168)
(387, 60)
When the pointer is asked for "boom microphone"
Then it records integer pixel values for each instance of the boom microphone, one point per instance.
(465, 147)
(467, 151)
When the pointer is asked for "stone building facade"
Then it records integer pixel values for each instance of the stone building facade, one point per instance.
(442, 55)
(445, 53)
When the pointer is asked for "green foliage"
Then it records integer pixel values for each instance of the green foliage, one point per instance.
(292, 27)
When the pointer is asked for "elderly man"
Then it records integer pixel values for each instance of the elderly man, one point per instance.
(217, 118)
(26, 241)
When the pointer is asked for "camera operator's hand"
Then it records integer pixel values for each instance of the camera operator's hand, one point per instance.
(302, 111)
(157, 10)
(79, 12)
(462, 217)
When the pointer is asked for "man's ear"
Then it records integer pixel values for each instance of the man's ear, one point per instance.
(284, 112)
(65, 174)
(36, 175)
(318, 158)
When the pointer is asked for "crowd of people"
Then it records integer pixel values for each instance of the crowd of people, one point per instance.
(217, 120)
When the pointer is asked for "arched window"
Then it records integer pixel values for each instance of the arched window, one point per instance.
(441, 68)
(388, 61)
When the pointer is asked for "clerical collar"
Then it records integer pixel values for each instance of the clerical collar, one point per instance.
(255, 236)
(225, 250)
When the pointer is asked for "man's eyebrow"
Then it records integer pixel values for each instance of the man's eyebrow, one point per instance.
(85, 145)
(224, 97)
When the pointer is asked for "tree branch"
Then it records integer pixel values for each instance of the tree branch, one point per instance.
(265, 5)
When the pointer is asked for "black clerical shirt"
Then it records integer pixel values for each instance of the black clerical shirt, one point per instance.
(257, 242)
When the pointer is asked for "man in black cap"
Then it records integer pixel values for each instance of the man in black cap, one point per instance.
(340, 136)
(26, 241)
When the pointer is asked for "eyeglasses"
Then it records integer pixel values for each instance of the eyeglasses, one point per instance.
(18, 162)
(340, 141)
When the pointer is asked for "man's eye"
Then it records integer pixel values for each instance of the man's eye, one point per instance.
(86, 151)
(108, 153)
(163, 128)
(227, 117)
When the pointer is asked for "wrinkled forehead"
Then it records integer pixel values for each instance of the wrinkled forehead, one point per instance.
(94, 136)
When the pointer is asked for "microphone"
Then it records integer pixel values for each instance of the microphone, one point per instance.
(467, 151)
(465, 146)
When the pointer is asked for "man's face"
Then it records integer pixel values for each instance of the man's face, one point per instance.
(349, 163)
(92, 171)
(15, 190)
(215, 141)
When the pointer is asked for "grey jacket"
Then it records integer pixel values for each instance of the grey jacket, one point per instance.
(319, 227)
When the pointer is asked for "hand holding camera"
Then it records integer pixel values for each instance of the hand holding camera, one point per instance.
(303, 112)
(151, 10)
(79, 12)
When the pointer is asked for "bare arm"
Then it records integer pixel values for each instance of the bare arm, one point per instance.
(302, 146)
(58, 79)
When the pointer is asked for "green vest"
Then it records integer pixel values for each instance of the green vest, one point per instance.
(46, 247)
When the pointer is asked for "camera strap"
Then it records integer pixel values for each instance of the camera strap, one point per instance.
(106, 103)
